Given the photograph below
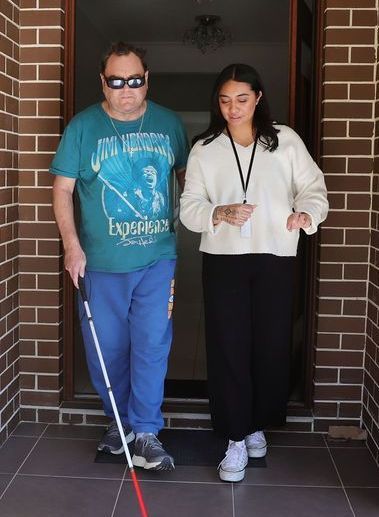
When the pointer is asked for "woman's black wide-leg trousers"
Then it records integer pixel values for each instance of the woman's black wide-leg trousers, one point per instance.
(248, 324)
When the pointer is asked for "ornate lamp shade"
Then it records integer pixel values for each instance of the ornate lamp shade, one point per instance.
(208, 34)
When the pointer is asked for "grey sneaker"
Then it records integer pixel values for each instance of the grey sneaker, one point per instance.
(149, 454)
(111, 440)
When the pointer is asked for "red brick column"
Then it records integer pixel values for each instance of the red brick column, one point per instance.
(9, 86)
(40, 124)
(347, 159)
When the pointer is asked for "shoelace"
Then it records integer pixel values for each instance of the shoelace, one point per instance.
(153, 442)
(233, 453)
(113, 429)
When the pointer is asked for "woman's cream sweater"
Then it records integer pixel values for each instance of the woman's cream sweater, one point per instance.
(281, 182)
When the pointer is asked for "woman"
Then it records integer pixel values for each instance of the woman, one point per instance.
(250, 187)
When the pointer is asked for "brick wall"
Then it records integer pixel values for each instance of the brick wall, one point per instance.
(40, 124)
(9, 328)
(347, 155)
(348, 289)
(371, 376)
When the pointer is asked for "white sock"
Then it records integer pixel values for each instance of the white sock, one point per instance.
(139, 436)
(239, 444)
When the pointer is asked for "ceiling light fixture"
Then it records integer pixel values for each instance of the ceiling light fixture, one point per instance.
(208, 34)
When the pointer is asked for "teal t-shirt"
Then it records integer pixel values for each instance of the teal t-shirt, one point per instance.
(124, 184)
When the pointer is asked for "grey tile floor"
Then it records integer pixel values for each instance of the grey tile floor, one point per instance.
(49, 471)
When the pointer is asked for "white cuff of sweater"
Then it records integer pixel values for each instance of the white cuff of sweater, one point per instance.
(213, 229)
(313, 227)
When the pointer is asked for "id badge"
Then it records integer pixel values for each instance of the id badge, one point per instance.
(246, 230)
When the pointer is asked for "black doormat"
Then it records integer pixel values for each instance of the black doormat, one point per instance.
(195, 448)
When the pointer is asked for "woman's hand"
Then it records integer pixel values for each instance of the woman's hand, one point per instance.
(298, 220)
(236, 214)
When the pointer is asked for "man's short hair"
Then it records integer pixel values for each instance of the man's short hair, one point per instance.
(120, 48)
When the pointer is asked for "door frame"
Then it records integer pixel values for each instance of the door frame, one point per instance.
(69, 397)
(311, 247)
(68, 287)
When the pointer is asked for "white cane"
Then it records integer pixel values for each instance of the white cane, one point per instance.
(111, 397)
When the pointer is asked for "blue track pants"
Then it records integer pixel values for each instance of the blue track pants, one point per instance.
(133, 324)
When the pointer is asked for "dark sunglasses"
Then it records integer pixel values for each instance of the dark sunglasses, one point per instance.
(116, 83)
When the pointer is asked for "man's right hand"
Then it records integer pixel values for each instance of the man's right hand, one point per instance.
(75, 263)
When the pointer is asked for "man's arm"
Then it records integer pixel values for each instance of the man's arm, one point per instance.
(181, 177)
(75, 259)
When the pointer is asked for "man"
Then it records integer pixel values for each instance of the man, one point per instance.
(125, 251)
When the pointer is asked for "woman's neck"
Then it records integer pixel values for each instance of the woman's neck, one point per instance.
(243, 135)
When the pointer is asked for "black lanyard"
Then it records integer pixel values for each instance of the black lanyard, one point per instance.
(244, 185)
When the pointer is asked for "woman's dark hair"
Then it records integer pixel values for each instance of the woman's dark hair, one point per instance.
(262, 119)
(120, 48)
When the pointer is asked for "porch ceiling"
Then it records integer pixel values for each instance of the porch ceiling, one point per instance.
(166, 20)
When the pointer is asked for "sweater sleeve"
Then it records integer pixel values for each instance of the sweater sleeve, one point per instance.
(196, 210)
(310, 195)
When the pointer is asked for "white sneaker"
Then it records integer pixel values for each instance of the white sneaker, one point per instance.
(232, 467)
(256, 445)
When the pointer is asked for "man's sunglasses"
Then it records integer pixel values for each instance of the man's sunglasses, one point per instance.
(116, 83)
